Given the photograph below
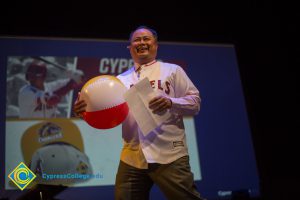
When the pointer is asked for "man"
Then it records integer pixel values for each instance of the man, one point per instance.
(160, 157)
(39, 99)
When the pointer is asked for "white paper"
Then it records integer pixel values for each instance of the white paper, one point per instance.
(137, 98)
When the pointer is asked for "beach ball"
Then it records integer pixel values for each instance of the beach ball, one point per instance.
(106, 107)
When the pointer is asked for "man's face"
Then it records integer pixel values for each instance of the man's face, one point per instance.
(38, 81)
(143, 46)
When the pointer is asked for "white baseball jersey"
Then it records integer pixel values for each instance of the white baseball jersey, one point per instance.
(167, 142)
(28, 100)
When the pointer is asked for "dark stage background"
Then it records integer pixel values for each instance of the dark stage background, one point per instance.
(262, 34)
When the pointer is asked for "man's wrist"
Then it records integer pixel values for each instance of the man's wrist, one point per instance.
(171, 103)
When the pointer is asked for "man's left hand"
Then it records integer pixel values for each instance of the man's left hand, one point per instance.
(160, 104)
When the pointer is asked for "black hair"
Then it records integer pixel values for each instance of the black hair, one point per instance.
(154, 33)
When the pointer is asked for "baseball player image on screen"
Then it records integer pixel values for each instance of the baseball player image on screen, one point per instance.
(38, 98)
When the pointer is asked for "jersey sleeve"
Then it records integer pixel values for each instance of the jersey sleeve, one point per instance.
(55, 85)
(187, 98)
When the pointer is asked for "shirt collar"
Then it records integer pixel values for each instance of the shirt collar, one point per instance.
(143, 65)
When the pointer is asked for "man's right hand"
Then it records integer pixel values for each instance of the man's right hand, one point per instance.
(77, 75)
(79, 107)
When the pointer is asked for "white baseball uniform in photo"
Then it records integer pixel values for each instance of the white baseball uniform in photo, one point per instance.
(167, 142)
(28, 100)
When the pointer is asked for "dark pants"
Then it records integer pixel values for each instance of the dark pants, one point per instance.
(175, 180)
